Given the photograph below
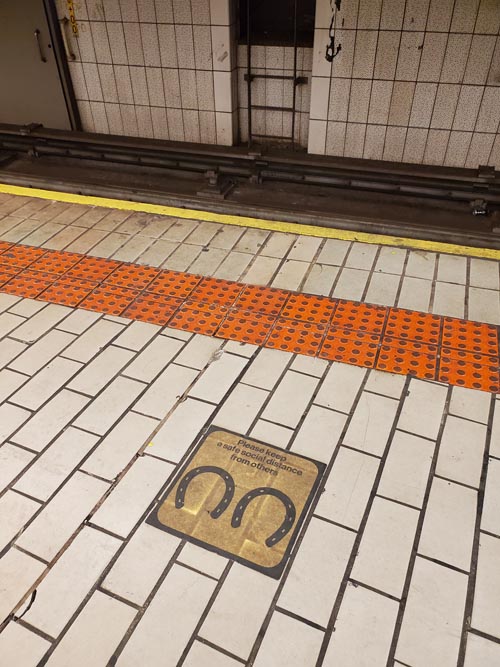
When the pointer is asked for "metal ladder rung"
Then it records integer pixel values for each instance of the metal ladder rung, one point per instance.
(263, 107)
(272, 136)
(297, 79)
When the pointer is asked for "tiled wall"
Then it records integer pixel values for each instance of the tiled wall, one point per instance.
(155, 68)
(275, 60)
(417, 81)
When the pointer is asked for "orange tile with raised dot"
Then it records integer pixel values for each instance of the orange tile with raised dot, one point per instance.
(359, 316)
(264, 300)
(68, 291)
(29, 284)
(173, 283)
(153, 308)
(215, 290)
(199, 318)
(246, 327)
(55, 262)
(357, 348)
(445, 349)
(296, 336)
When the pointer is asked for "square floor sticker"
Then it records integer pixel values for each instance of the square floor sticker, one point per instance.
(240, 498)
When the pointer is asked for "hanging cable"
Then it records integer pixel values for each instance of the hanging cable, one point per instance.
(331, 50)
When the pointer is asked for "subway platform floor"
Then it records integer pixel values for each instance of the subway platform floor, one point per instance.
(394, 561)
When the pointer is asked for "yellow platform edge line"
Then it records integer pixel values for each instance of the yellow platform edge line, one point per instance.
(258, 223)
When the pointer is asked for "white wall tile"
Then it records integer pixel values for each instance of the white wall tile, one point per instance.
(349, 14)
(409, 56)
(395, 138)
(359, 101)
(335, 138)
(323, 14)
(225, 128)
(182, 11)
(320, 92)
(342, 66)
(320, 65)
(457, 149)
(317, 137)
(479, 150)
(374, 142)
(387, 54)
(221, 48)
(488, 19)
(416, 14)
(369, 14)
(464, 15)
(392, 15)
(432, 58)
(222, 91)
(220, 12)
(364, 55)
(455, 59)
(479, 61)
(439, 16)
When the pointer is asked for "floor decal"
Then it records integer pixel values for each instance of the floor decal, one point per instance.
(241, 498)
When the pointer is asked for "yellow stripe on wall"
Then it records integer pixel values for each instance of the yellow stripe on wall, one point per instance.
(258, 223)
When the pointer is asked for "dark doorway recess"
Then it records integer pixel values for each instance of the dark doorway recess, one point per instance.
(288, 23)
(36, 86)
(272, 22)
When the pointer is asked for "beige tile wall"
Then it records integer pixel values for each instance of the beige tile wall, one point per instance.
(415, 81)
(155, 68)
(275, 60)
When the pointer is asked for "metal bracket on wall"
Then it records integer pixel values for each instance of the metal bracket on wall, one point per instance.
(65, 23)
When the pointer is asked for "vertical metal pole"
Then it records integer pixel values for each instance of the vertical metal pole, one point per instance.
(249, 77)
(294, 70)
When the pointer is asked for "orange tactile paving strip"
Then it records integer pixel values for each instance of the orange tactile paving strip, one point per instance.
(427, 346)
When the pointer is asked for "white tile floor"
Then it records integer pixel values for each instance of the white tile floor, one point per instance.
(397, 563)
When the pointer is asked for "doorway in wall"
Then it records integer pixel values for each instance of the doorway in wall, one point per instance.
(275, 47)
(35, 86)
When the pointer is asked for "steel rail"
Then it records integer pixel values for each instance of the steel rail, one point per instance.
(443, 183)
